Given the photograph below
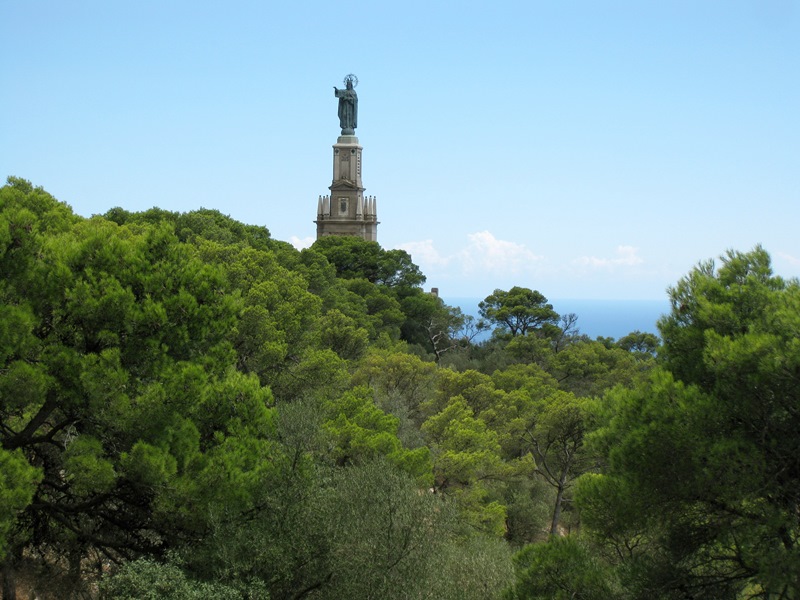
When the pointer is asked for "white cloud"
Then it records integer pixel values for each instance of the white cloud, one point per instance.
(424, 253)
(301, 243)
(483, 253)
(627, 256)
(788, 258)
(483, 262)
(487, 253)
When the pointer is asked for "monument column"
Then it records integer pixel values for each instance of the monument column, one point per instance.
(346, 211)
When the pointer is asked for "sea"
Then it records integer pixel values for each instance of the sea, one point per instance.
(606, 318)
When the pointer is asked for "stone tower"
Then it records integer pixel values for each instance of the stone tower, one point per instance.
(346, 211)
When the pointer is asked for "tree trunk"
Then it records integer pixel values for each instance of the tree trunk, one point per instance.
(562, 484)
(74, 573)
(9, 581)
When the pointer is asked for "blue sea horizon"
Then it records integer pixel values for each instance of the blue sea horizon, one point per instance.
(606, 318)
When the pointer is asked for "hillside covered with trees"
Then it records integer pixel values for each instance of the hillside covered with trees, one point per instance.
(190, 408)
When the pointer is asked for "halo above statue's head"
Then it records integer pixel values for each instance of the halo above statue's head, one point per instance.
(351, 79)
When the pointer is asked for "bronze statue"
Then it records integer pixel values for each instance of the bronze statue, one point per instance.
(348, 105)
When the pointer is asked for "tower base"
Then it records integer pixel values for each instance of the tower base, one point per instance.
(346, 211)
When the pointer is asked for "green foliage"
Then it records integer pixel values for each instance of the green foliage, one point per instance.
(383, 312)
(530, 378)
(355, 258)
(146, 579)
(342, 334)
(641, 344)
(471, 385)
(529, 510)
(352, 532)
(435, 327)
(731, 301)
(385, 534)
(531, 349)
(118, 381)
(718, 517)
(401, 384)
(518, 311)
(610, 519)
(561, 425)
(207, 224)
(589, 368)
(395, 374)
(467, 454)
(259, 422)
(561, 569)
(18, 481)
(276, 330)
(388, 283)
(86, 468)
(361, 431)
(492, 434)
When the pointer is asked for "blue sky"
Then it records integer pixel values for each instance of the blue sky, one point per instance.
(587, 149)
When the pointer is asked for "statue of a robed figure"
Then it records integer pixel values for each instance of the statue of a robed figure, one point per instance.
(348, 105)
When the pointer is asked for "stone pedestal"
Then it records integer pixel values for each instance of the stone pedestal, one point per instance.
(346, 211)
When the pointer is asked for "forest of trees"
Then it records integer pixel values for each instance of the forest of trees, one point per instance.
(190, 408)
